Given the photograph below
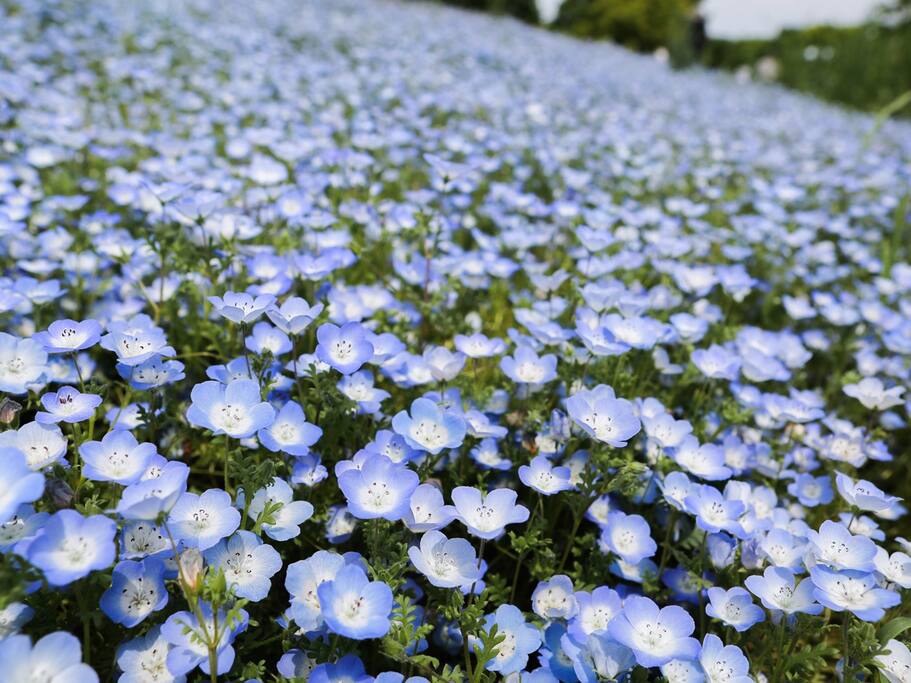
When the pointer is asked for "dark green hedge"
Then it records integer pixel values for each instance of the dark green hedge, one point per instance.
(865, 67)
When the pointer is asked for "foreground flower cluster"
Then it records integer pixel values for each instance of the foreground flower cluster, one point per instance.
(354, 341)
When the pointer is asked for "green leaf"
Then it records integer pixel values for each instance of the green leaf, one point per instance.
(889, 630)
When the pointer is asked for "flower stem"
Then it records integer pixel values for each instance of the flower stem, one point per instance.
(577, 520)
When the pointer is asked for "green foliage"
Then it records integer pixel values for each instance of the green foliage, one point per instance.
(866, 67)
(637, 24)
(526, 10)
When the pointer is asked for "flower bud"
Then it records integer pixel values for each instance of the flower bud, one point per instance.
(9, 411)
(60, 493)
(191, 570)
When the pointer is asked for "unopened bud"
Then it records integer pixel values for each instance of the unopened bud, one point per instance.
(60, 492)
(191, 570)
(9, 411)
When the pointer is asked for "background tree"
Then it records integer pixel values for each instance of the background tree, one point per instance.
(638, 24)
(526, 10)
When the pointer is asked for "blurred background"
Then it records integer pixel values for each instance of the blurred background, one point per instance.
(854, 52)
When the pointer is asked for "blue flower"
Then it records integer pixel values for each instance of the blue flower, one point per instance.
(837, 547)
(267, 338)
(236, 409)
(294, 315)
(349, 669)
(344, 348)
(13, 617)
(541, 476)
(488, 456)
(71, 546)
(57, 654)
(290, 432)
(554, 598)
(656, 636)
(355, 607)
(118, 457)
(359, 387)
(187, 637)
(68, 336)
(894, 661)
(723, 662)
(444, 364)
(733, 607)
(42, 444)
(202, 520)
(144, 655)
(429, 428)
(137, 589)
(284, 522)
(478, 345)
(706, 461)
(380, 488)
(486, 516)
(603, 416)
(239, 307)
(447, 563)
(597, 338)
(862, 494)
(717, 362)
(520, 640)
(811, 491)
(713, 511)
(779, 592)
(152, 373)
(594, 659)
(722, 549)
(427, 510)
(596, 609)
(139, 539)
(639, 332)
(302, 580)
(136, 340)
(295, 664)
(22, 362)
(393, 446)
(526, 367)
(67, 405)
(248, 564)
(895, 567)
(18, 483)
(628, 536)
(147, 499)
(855, 591)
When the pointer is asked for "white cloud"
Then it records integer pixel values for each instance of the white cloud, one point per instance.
(765, 18)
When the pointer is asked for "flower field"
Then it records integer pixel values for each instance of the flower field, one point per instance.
(364, 340)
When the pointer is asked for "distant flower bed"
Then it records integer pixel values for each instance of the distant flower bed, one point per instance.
(367, 341)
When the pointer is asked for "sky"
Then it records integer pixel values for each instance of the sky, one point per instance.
(764, 18)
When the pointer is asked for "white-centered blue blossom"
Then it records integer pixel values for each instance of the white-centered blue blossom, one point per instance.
(430, 428)
(67, 405)
(57, 657)
(355, 607)
(137, 589)
(248, 564)
(603, 416)
(487, 515)
(70, 546)
(446, 562)
(118, 457)
(235, 409)
(202, 520)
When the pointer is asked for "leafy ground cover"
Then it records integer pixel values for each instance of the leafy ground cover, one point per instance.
(351, 340)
